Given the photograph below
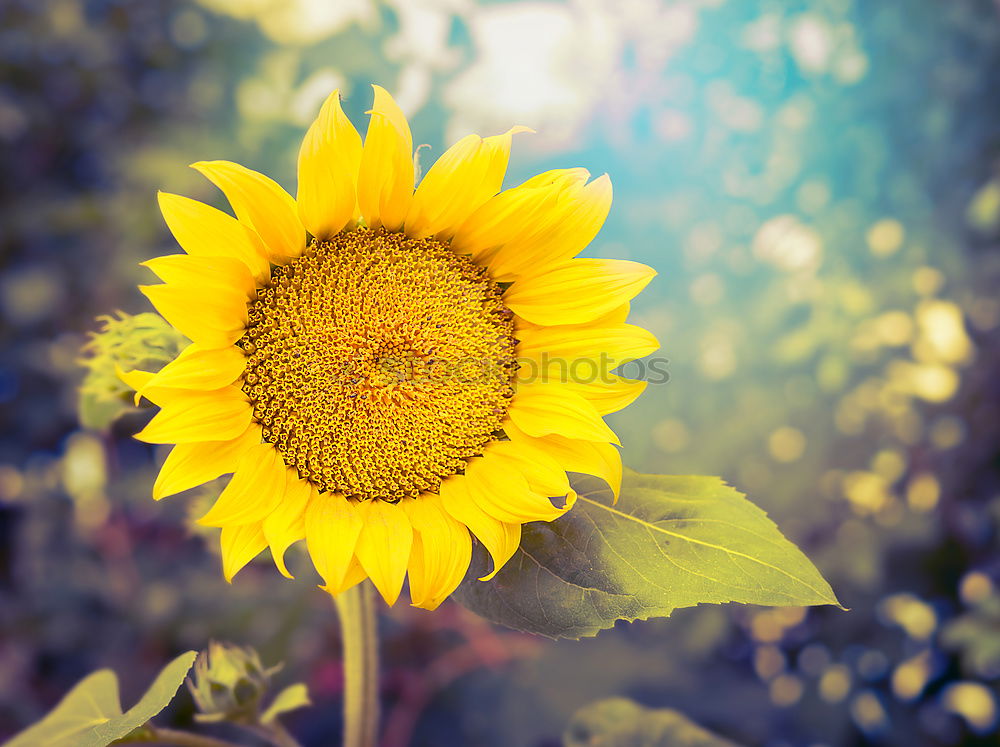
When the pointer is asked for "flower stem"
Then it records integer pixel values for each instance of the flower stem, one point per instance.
(280, 736)
(159, 735)
(356, 609)
(274, 733)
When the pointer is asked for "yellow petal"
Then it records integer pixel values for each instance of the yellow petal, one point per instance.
(575, 220)
(203, 231)
(565, 352)
(166, 390)
(138, 381)
(499, 538)
(213, 321)
(608, 393)
(147, 385)
(468, 174)
(286, 524)
(502, 492)
(543, 408)
(354, 575)
(204, 275)
(329, 160)
(442, 550)
(240, 544)
(544, 474)
(595, 458)
(574, 178)
(191, 416)
(200, 368)
(384, 546)
(260, 203)
(576, 291)
(188, 465)
(514, 215)
(256, 489)
(616, 316)
(333, 524)
(385, 178)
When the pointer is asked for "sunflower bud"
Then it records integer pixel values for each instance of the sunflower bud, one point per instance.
(228, 682)
(124, 342)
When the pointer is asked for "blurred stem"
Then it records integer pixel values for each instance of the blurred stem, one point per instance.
(159, 735)
(356, 609)
(273, 732)
(280, 736)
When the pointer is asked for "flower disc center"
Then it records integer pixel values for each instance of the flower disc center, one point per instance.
(378, 364)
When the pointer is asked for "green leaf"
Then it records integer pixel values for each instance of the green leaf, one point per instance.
(292, 697)
(93, 701)
(90, 715)
(154, 700)
(617, 722)
(670, 542)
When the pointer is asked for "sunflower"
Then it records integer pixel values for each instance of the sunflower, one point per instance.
(386, 369)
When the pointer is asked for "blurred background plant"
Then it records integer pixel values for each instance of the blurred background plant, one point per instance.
(816, 182)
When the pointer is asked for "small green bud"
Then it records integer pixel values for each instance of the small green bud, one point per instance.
(228, 683)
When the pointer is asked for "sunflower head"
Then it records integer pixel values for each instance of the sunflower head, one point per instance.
(389, 370)
(366, 398)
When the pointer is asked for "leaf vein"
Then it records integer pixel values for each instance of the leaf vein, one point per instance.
(710, 545)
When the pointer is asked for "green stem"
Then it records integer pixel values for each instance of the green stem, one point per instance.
(356, 609)
(158, 734)
(274, 733)
(280, 736)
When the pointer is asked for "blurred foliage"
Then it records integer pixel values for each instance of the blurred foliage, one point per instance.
(617, 722)
(816, 182)
(976, 636)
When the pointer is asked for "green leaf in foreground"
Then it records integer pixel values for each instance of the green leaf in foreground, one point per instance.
(670, 542)
(617, 722)
(91, 714)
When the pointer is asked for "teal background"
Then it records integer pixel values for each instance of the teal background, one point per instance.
(814, 181)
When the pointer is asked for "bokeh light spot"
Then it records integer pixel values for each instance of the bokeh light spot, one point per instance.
(885, 237)
(923, 492)
(786, 444)
(972, 701)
